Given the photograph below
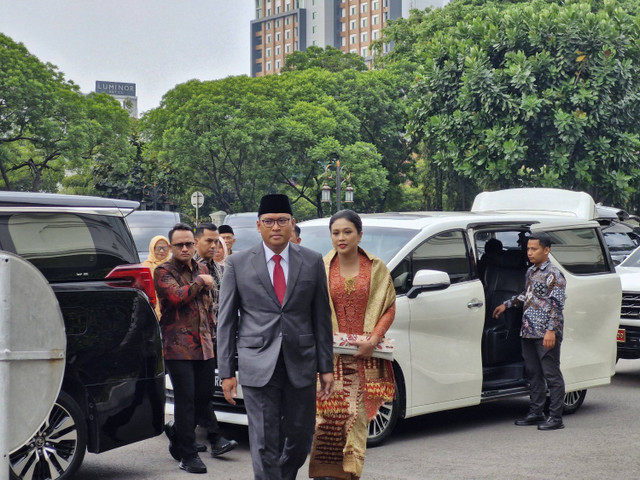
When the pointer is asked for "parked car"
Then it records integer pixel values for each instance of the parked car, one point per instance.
(449, 351)
(629, 331)
(245, 230)
(146, 224)
(621, 231)
(113, 388)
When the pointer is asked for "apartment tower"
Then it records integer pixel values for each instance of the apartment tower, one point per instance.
(284, 26)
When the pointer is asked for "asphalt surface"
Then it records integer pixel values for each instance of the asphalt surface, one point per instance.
(601, 441)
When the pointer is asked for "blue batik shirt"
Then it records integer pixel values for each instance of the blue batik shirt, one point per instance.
(542, 301)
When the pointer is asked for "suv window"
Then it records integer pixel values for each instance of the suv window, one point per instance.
(447, 252)
(68, 246)
(580, 251)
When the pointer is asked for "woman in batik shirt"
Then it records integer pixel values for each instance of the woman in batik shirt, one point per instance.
(362, 301)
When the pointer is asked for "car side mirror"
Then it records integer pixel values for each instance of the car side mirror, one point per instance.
(425, 280)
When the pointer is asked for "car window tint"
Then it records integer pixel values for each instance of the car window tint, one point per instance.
(446, 252)
(66, 246)
(401, 276)
(580, 251)
(383, 242)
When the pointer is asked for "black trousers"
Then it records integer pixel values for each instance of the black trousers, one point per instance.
(192, 388)
(543, 370)
(282, 420)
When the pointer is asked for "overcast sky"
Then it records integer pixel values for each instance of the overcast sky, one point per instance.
(155, 44)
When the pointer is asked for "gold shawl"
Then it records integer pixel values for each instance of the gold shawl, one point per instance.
(382, 293)
(376, 375)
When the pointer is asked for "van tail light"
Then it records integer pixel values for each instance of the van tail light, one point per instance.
(134, 276)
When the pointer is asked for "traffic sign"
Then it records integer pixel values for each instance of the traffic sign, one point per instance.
(32, 350)
(197, 199)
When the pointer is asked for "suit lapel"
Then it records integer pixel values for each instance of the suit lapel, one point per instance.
(295, 263)
(260, 265)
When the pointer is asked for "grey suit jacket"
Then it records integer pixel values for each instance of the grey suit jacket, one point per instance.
(301, 327)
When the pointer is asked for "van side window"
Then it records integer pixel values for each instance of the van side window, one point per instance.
(580, 251)
(446, 252)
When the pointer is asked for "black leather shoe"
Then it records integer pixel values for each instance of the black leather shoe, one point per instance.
(222, 446)
(170, 432)
(193, 465)
(530, 419)
(552, 423)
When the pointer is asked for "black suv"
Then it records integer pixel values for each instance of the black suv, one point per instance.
(113, 388)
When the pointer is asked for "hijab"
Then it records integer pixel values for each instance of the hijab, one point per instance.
(152, 261)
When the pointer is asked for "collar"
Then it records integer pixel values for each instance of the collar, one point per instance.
(543, 265)
(268, 253)
(182, 266)
(199, 259)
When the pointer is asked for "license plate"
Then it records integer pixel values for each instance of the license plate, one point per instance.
(622, 335)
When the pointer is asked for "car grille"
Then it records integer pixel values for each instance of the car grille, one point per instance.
(630, 305)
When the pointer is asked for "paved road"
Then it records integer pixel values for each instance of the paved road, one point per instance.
(601, 441)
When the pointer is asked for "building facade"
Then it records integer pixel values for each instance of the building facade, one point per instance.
(284, 26)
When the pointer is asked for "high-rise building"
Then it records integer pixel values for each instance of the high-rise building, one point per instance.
(284, 26)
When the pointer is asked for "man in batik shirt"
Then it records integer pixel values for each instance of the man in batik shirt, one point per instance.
(184, 288)
(542, 323)
(207, 237)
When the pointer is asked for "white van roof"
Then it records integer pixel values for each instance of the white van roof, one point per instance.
(548, 201)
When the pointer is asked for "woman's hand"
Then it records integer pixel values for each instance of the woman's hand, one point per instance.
(366, 348)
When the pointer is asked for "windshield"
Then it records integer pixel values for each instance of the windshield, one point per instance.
(619, 241)
(383, 242)
(632, 260)
(142, 236)
(246, 237)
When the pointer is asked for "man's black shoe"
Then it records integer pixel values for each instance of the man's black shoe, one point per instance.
(193, 465)
(530, 419)
(222, 446)
(552, 423)
(170, 432)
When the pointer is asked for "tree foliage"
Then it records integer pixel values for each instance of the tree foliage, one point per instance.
(527, 94)
(329, 58)
(49, 132)
(239, 138)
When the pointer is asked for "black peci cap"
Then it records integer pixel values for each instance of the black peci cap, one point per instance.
(275, 203)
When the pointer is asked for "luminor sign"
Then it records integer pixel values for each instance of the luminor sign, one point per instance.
(116, 88)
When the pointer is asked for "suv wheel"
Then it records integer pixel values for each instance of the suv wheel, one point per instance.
(384, 423)
(573, 401)
(57, 449)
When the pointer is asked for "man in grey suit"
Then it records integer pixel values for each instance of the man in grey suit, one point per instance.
(274, 311)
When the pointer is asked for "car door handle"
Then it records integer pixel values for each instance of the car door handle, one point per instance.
(475, 303)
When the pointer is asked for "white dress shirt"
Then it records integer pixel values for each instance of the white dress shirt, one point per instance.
(271, 264)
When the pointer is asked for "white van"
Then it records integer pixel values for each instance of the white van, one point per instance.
(449, 351)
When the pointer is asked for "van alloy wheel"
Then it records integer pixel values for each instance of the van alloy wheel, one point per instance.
(56, 451)
(384, 423)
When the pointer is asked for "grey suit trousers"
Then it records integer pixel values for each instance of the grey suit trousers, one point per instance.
(543, 371)
(281, 425)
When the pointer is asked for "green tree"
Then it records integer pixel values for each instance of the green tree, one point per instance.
(48, 129)
(239, 138)
(531, 94)
(329, 58)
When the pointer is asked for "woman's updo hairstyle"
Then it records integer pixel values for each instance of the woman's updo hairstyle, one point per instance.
(349, 215)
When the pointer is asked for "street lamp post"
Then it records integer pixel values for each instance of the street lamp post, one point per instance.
(326, 189)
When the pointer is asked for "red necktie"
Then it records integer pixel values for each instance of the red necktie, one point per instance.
(279, 284)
